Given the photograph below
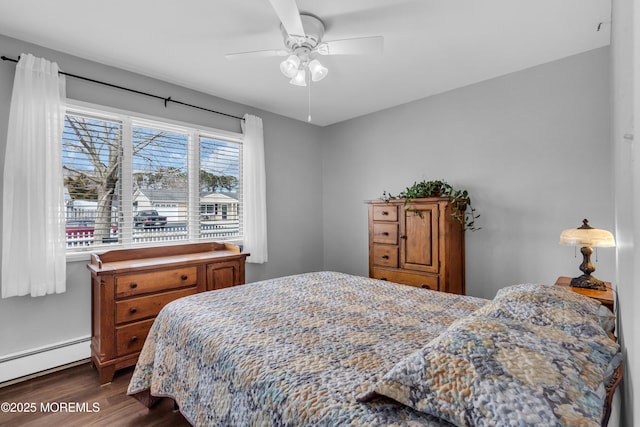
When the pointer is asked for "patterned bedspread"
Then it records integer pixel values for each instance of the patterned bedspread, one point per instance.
(292, 351)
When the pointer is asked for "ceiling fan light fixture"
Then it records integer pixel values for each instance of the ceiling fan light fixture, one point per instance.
(300, 79)
(317, 70)
(289, 66)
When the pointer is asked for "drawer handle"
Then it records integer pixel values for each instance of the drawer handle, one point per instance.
(133, 310)
(134, 285)
(184, 277)
(424, 286)
(385, 213)
(134, 339)
(383, 278)
(386, 233)
(385, 256)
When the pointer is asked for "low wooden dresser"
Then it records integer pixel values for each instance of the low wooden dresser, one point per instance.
(130, 286)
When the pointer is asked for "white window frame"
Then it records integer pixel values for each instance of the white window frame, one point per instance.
(130, 119)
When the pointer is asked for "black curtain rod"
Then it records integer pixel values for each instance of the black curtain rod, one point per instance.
(166, 100)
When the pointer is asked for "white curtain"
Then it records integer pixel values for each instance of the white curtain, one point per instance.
(33, 220)
(254, 190)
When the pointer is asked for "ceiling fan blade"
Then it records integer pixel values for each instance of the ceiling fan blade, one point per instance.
(289, 15)
(256, 54)
(358, 46)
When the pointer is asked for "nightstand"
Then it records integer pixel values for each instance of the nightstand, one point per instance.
(605, 297)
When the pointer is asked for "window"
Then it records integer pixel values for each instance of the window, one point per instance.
(131, 181)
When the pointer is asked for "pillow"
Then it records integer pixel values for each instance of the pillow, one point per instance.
(606, 319)
(549, 295)
(547, 305)
(487, 370)
(554, 306)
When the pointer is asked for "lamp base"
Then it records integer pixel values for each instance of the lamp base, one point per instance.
(589, 282)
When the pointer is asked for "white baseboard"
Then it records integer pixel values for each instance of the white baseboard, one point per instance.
(30, 362)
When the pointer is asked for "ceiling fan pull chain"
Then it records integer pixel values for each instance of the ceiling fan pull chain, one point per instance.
(309, 99)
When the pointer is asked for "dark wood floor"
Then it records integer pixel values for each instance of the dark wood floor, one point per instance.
(79, 385)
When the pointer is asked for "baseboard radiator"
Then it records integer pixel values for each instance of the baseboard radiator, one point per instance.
(23, 365)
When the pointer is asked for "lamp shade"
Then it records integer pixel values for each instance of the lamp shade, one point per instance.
(289, 66)
(587, 236)
(318, 72)
(300, 79)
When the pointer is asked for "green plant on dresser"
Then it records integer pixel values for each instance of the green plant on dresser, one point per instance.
(461, 208)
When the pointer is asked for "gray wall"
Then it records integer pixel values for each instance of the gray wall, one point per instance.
(531, 147)
(294, 207)
(626, 176)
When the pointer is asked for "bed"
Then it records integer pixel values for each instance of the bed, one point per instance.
(328, 348)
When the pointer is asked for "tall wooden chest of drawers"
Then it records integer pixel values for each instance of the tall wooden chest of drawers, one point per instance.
(418, 243)
(130, 286)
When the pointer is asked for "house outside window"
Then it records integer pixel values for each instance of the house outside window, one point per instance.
(135, 181)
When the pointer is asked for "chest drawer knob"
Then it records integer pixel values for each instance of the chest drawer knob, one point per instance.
(425, 286)
(385, 233)
(385, 256)
(133, 310)
(134, 285)
(134, 339)
(184, 277)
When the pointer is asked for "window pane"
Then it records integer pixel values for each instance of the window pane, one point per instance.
(160, 185)
(133, 181)
(91, 158)
(220, 189)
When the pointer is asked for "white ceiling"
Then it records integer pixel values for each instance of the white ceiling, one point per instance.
(430, 46)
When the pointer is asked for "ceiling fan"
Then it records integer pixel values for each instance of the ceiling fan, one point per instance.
(302, 34)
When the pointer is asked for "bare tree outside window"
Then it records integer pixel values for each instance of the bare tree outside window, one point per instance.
(92, 153)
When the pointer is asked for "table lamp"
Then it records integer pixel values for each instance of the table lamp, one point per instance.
(587, 237)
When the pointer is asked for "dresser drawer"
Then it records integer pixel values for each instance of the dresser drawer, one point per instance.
(130, 338)
(385, 255)
(384, 232)
(146, 306)
(385, 213)
(426, 282)
(141, 283)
